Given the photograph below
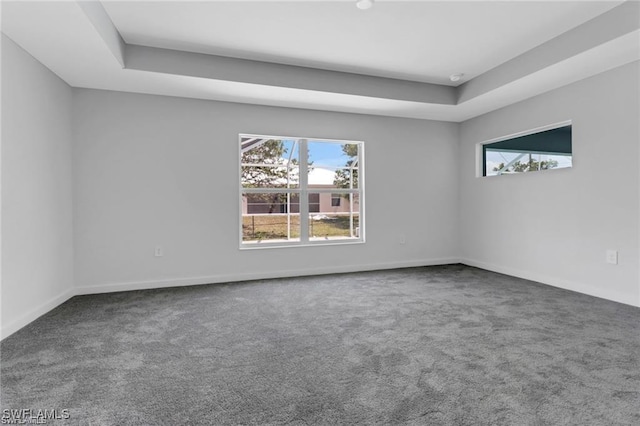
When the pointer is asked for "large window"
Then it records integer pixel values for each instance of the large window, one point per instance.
(540, 150)
(298, 191)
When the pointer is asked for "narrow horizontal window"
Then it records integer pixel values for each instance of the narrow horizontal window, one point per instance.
(298, 191)
(543, 150)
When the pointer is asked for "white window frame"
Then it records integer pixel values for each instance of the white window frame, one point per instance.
(303, 193)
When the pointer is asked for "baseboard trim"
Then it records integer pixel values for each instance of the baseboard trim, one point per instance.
(544, 279)
(15, 325)
(225, 278)
(8, 329)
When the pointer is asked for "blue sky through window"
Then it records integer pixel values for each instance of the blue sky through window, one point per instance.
(327, 154)
(323, 154)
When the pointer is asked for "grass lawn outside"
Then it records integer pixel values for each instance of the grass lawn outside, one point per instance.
(274, 226)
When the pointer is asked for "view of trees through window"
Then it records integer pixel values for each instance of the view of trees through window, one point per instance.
(529, 162)
(296, 190)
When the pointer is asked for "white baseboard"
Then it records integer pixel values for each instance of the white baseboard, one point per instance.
(12, 327)
(15, 325)
(213, 279)
(552, 281)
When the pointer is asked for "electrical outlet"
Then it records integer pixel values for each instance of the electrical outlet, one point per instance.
(158, 251)
(612, 257)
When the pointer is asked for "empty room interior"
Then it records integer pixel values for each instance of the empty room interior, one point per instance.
(320, 212)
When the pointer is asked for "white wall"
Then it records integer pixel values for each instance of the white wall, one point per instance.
(555, 226)
(153, 170)
(37, 253)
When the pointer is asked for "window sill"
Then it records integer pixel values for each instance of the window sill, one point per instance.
(313, 243)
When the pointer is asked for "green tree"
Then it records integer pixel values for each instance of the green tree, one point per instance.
(343, 177)
(271, 152)
(254, 175)
(528, 166)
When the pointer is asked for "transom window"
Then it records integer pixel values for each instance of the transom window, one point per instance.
(299, 191)
(542, 149)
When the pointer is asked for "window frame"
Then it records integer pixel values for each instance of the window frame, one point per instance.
(481, 171)
(303, 192)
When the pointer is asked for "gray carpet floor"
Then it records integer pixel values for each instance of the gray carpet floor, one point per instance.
(446, 345)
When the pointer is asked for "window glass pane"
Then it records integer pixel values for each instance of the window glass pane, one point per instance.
(270, 187)
(335, 222)
(269, 163)
(550, 149)
(332, 154)
(339, 158)
(270, 217)
(498, 162)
